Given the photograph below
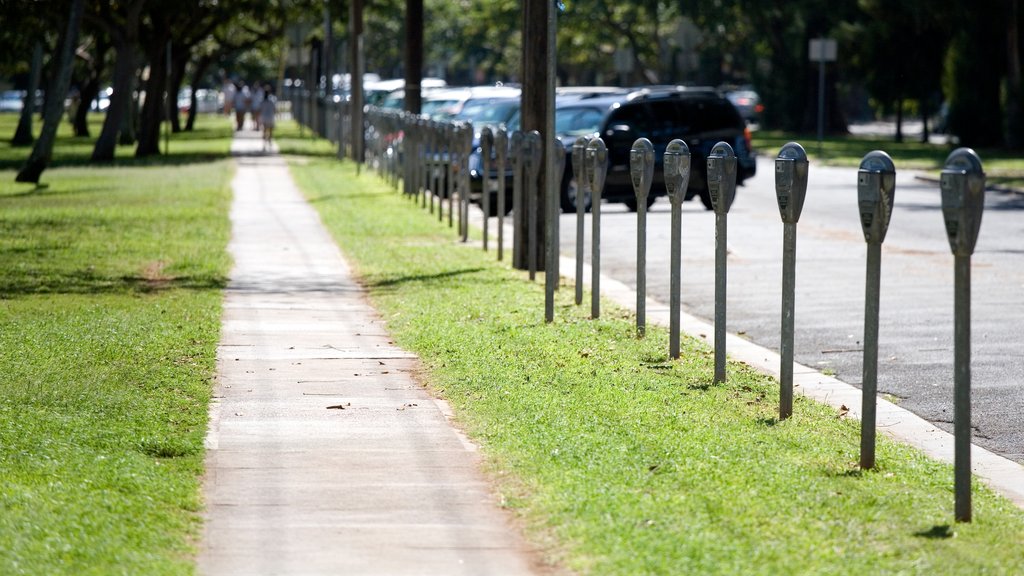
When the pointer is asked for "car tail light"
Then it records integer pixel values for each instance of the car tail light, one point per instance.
(759, 108)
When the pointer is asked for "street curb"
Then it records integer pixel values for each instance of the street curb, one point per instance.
(1001, 474)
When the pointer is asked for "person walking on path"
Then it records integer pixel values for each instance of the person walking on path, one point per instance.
(258, 94)
(242, 101)
(268, 113)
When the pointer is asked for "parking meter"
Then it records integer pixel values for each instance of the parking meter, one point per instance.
(963, 199)
(579, 172)
(597, 161)
(501, 149)
(722, 177)
(677, 170)
(534, 158)
(558, 155)
(486, 147)
(597, 171)
(641, 169)
(676, 167)
(791, 181)
(876, 187)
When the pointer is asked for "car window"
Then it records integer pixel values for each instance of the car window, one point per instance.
(488, 112)
(708, 115)
(577, 121)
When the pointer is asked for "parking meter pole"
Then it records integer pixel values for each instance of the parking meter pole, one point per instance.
(876, 184)
(518, 211)
(486, 144)
(962, 387)
(449, 184)
(466, 141)
(963, 202)
(555, 170)
(641, 169)
(677, 177)
(597, 163)
(579, 169)
(534, 157)
(788, 319)
(721, 164)
(790, 190)
(501, 145)
(869, 380)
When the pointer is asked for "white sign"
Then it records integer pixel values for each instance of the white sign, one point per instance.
(822, 50)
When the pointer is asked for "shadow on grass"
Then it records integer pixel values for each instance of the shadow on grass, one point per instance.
(85, 282)
(391, 282)
(940, 532)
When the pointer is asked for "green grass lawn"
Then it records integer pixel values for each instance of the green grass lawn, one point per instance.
(110, 293)
(621, 461)
(1002, 167)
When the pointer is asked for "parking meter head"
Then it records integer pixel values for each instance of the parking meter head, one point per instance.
(534, 152)
(579, 160)
(677, 170)
(486, 142)
(597, 161)
(722, 177)
(876, 188)
(641, 167)
(791, 181)
(501, 144)
(963, 199)
(515, 148)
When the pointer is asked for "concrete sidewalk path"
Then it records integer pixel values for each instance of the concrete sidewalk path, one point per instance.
(324, 455)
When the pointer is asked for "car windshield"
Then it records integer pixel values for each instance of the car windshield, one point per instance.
(575, 121)
(488, 113)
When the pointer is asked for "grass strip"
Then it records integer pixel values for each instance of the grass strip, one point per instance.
(1002, 167)
(110, 294)
(622, 461)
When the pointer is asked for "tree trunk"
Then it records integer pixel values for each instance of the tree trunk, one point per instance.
(179, 60)
(197, 74)
(42, 152)
(152, 109)
(23, 135)
(121, 101)
(87, 96)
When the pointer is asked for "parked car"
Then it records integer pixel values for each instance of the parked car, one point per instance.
(12, 100)
(701, 117)
(375, 93)
(748, 103)
(447, 103)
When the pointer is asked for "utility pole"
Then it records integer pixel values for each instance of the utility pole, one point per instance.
(413, 55)
(535, 112)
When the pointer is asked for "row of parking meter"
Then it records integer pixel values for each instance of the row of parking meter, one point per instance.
(445, 145)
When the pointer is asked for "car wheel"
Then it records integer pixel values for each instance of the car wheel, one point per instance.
(633, 206)
(570, 190)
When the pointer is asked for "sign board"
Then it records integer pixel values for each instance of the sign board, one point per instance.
(822, 50)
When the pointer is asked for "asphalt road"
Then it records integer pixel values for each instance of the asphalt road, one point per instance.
(916, 320)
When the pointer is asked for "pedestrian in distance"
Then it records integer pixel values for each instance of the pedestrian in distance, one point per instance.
(242, 102)
(268, 113)
(258, 95)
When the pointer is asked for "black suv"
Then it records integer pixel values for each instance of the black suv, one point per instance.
(699, 117)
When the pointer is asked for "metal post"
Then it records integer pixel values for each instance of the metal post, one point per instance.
(501, 144)
(790, 190)
(579, 168)
(869, 380)
(466, 146)
(534, 157)
(722, 188)
(449, 145)
(556, 169)
(677, 178)
(962, 387)
(876, 184)
(597, 162)
(486, 145)
(963, 203)
(641, 169)
(518, 207)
